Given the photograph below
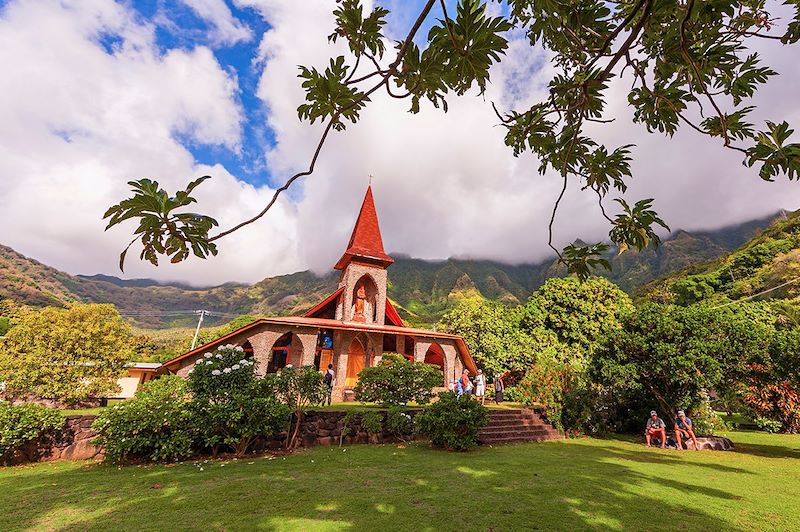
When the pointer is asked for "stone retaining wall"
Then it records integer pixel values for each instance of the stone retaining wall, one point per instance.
(73, 442)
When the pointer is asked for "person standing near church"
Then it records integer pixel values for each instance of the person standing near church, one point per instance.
(499, 387)
(329, 378)
(480, 386)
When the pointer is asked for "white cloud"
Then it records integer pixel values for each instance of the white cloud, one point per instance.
(76, 122)
(228, 29)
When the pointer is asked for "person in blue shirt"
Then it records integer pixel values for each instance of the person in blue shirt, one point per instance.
(684, 429)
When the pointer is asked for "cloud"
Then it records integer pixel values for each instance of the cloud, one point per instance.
(79, 118)
(447, 185)
(96, 103)
(227, 28)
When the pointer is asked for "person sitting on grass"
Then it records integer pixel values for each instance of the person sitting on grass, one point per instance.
(684, 429)
(656, 428)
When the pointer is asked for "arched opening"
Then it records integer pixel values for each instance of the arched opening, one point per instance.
(248, 349)
(356, 361)
(365, 296)
(286, 350)
(435, 356)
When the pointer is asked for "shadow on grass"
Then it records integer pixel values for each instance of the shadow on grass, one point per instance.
(766, 451)
(555, 485)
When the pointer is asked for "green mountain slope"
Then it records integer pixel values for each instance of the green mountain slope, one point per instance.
(421, 290)
(765, 268)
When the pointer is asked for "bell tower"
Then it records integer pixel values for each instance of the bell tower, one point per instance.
(363, 266)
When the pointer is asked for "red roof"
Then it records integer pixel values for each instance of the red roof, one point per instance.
(392, 317)
(366, 241)
(318, 310)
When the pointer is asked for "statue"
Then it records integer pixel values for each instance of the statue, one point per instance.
(359, 304)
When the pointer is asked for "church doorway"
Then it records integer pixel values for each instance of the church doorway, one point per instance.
(356, 359)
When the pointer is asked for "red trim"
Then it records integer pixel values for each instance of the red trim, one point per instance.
(321, 306)
(392, 317)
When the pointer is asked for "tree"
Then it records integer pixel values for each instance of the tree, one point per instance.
(773, 383)
(672, 355)
(685, 63)
(396, 381)
(492, 333)
(298, 389)
(67, 354)
(582, 315)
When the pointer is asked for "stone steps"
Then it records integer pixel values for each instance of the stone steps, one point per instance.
(511, 426)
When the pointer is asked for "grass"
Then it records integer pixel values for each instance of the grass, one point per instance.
(565, 485)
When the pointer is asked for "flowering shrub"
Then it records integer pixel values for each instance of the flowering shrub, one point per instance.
(157, 424)
(453, 422)
(23, 423)
(768, 425)
(232, 406)
(396, 381)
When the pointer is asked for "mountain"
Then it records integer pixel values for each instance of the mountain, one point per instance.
(422, 290)
(767, 267)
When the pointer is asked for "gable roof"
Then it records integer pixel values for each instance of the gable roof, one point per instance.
(366, 242)
(317, 310)
(392, 317)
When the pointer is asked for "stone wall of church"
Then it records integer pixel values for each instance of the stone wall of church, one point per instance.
(350, 276)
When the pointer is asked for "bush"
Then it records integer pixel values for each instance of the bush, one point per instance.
(399, 423)
(453, 422)
(396, 381)
(23, 423)
(156, 424)
(232, 406)
(372, 421)
(769, 425)
(706, 421)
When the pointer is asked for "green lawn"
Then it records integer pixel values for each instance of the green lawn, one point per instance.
(568, 484)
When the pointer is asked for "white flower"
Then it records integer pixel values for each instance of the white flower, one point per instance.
(208, 362)
(235, 367)
(207, 355)
(226, 370)
(216, 372)
(219, 356)
(243, 362)
(240, 349)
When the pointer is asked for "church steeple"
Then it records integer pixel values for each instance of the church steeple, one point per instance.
(366, 244)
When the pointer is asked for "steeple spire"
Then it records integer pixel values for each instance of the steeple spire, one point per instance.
(366, 242)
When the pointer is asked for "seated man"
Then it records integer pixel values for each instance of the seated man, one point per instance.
(684, 429)
(656, 428)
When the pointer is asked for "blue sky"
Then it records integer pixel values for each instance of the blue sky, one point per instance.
(188, 30)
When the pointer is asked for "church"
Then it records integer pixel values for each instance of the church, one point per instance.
(352, 328)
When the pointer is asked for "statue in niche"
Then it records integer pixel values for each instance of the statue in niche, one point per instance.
(360, 304)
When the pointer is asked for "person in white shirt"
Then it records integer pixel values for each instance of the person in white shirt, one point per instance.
(480, 386)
